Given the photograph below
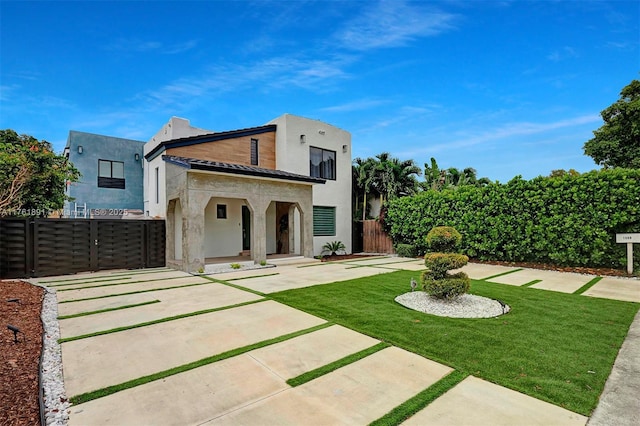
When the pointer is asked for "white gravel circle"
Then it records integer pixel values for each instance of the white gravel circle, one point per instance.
(465, 306)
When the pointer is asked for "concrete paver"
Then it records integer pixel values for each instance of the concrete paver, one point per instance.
(291, 277)
(517, 278)
(477, 402)
(293, 357)
(101, 361)
(188, 398)
(480, 271)
(355, 394)
(172, 302)
(106, 290)
(567, 282)
(616, 288)
(213, 390)
(121, 279)
(81, 276)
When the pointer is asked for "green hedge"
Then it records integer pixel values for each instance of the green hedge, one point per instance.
(568, 220)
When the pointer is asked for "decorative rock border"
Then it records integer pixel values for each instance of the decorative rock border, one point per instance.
(464, 306)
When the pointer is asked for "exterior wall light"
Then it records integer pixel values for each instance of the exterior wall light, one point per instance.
(80, 149)
(344, 148)
(137, 157)
(303, 138)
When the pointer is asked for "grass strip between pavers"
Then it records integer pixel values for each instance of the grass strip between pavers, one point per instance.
(500, 274)
(133, 292)
(326, 369)
(97, 280)
(82, 314)
(127, 283)
(251, 276)
(588, 285)
(411, 406)
(158, 321)
(88, 396)
(236, 286)
(530, 283)
(117, 274)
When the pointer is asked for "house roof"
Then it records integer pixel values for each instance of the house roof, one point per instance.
(238, 169)
(209, 137)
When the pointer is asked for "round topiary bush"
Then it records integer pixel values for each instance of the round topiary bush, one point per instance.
(439, 263)
(443, 239)
(446, 288)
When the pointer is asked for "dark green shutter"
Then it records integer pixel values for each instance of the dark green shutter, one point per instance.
(324, 221)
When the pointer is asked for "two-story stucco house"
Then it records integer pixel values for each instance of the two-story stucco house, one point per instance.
(111, 181)
(280, 188)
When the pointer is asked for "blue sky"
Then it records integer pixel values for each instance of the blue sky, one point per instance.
(507, 87)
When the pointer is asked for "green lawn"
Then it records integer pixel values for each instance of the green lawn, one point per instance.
(553, 346)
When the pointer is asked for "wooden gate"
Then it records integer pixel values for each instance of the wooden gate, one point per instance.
(41, 247)
(374, 239)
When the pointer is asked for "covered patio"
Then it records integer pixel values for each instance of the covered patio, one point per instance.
(224, 213)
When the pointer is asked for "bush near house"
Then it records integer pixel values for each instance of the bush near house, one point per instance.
(566, 220)
(405, 250)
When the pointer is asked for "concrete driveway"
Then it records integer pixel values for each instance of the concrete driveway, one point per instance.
(235, 351)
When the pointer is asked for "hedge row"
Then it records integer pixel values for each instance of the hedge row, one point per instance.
(568, 220)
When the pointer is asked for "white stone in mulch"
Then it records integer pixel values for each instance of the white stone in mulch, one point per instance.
(464, 306)
(56, 404)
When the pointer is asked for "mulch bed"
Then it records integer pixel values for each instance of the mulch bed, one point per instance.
(19, 362)
(577, 269)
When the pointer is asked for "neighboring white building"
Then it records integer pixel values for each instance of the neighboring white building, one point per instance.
(253, 197)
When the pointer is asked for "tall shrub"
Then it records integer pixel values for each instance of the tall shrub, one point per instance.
(566, 220)
(436, 280)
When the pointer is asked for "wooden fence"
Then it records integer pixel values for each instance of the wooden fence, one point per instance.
(374, 239)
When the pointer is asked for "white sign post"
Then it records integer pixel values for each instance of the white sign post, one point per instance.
(629, 239)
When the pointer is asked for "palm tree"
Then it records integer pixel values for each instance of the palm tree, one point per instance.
(363, 174)
(395, 178)
(437, 179)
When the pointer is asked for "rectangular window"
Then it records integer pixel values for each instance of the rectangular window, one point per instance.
(324, 221)
(322, 163)
(157, 185)
(221, 211)
(111, 174)
(254, 152)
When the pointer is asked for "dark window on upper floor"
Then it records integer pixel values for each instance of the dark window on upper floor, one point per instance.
(111, 174)
(254, 152)
(322, 163)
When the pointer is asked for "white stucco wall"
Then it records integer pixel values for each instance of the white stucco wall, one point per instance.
(223, 237)
(175, 128)
(293, 156)
(153, 207)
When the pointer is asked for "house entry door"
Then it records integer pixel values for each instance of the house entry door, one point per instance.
(246, 228)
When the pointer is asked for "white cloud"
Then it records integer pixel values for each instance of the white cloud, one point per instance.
(392, 24)
(562, 54)
(140, 46)
(358, 105)
(275, 73)
(505, 131)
